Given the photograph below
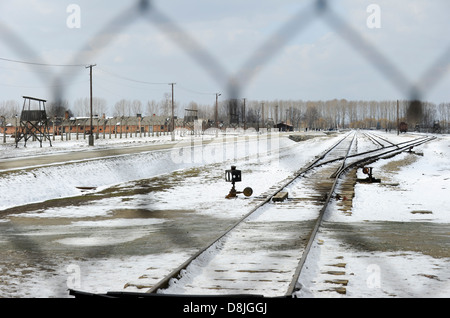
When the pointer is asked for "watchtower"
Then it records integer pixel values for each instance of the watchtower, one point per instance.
(190, 116)
(33, 121)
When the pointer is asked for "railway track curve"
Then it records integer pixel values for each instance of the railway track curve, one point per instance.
(264, 252)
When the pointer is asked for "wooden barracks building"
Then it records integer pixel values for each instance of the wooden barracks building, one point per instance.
(100, 125)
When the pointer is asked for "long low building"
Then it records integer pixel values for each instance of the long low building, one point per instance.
(116, 125)
(81, 125)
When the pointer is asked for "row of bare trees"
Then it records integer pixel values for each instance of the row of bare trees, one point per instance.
(336, 113)
(342, 113)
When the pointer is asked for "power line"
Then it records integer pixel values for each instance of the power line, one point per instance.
(116, 81)
(130, 79)
(45, 86)
(152, 83)
(41, 64)
(195, 92)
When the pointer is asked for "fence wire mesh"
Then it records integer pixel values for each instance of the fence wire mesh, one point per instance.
(233, 81)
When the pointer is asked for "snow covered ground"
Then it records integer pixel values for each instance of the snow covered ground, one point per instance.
(422, 188)
(410, 207)
(270, 158)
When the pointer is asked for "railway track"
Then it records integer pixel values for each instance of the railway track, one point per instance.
(264, 252)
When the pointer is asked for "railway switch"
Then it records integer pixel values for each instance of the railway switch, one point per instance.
(233, 175)
(370, 178)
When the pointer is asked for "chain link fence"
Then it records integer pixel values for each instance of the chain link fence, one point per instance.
(232, 81)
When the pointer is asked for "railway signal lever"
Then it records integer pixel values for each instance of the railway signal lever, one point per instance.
(233, 175)
(370, 178)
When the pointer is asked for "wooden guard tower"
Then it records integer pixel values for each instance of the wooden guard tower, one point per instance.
(33, 121)
(190, 116)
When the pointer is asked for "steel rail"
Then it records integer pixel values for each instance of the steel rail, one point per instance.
(294, 285)
(164, 283)
(382, 138)
(409, 142)
(374, 140)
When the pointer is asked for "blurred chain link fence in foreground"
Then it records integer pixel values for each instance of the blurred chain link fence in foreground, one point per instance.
(231, 81)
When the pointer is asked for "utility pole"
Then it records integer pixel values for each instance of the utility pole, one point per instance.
(398, 124)
(262, 110)
(216, 113)
(4, 128)
(276, 115)
(173, 114)
(244, 117)
(91, 136)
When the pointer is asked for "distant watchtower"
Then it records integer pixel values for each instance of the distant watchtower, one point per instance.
(33, 121)
(190, 116)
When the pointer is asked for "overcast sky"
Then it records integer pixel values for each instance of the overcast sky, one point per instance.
(269, 49)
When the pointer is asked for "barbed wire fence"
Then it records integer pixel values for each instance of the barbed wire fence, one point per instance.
(232, 81)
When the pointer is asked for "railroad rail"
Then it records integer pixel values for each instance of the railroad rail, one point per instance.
(249, 258)
(378, 140)
(164, 283)
(264, 252)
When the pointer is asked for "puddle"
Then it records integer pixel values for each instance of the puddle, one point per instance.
(422, 212)
(422, 237)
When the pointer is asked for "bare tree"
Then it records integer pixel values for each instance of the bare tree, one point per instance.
(82, 106)
(296, 117)
(122, 108)
(9, 108)
(165, 105)
(136, 107)
(152, 108)
(311, 116)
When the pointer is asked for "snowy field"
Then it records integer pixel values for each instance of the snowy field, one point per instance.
(62, 180)
(270, 158)
(417, 193)
(413, 194)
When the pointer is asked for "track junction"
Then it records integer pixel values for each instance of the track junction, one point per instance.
(263, 254)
